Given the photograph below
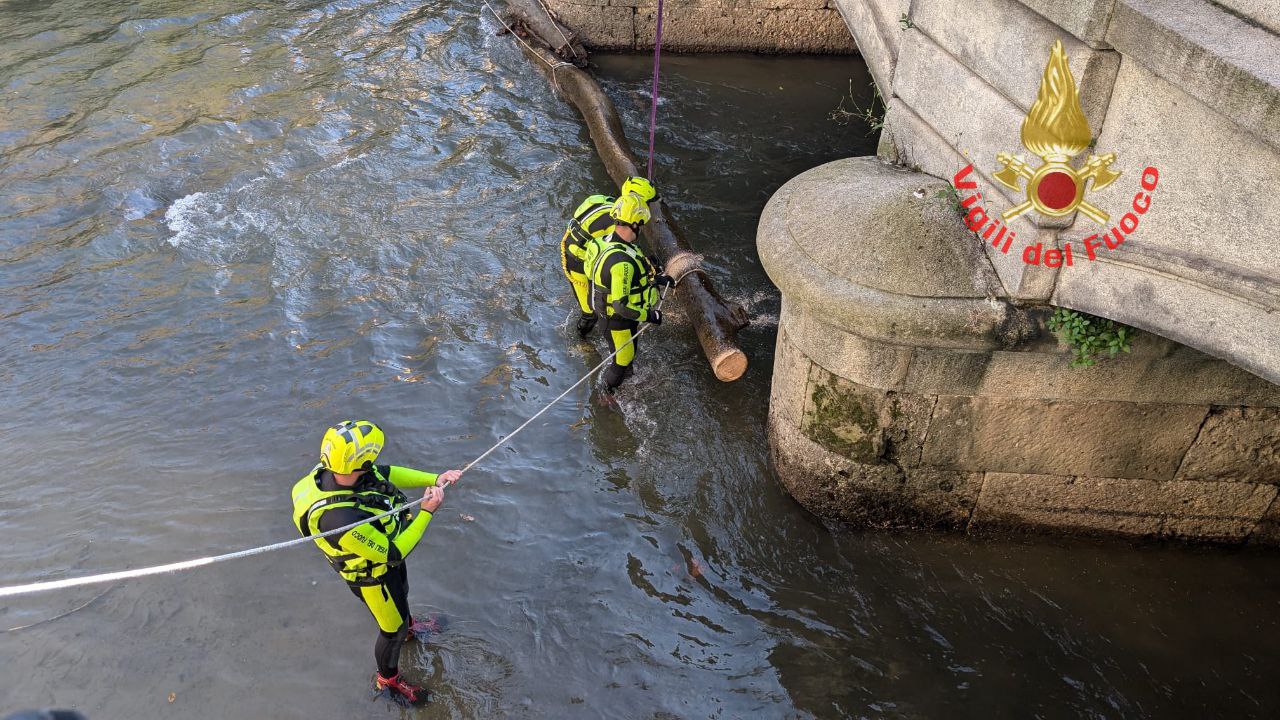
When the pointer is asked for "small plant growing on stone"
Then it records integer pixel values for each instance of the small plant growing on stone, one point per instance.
(906, 22)
(873, 115)
(949, 197)
(1089, 336)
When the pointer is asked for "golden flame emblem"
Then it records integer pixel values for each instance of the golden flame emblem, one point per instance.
(1057, 131)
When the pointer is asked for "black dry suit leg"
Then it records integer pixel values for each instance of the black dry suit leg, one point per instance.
(585, 324)
(389, 603)
(620, 330)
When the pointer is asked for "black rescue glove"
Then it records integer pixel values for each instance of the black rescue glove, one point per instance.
(655, 317)
(665, 281)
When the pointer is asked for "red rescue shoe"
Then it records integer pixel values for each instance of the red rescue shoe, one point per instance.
(400, 689)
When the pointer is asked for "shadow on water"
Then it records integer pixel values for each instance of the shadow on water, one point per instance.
(226, 225)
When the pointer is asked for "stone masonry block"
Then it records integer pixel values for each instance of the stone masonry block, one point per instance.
(1007, 44)
(790, 380)
(864, 424)
(705, 28)
(1218, 512)
(1018, 500)
(1268, 530)
(934, 371)
(1221, 512)
(970, 115)
(1156, 371)
(1197, 269)
(1263, 12)
(1224, 195)
(867, 362)
(597, 26)
(1227, 62)
(1236, 444)
(1101, 439)
(1086, 19)
(869, 494)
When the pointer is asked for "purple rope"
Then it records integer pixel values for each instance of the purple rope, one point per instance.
(653, 110)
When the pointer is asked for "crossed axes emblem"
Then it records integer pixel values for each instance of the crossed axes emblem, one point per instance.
(1056, 188)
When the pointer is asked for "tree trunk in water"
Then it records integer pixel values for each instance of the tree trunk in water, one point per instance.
(715, 321)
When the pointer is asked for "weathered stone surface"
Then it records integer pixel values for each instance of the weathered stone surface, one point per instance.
(967, 112)
(863, 424)
(1157, 370)
(942, 371)
(709, 25)
(1236, 444)
(873, 495)
(597, 25)
(1263, 12)
(1012, 501)
(1196, 269)
(1086, 19)
(866, 362)
(790, 381)
(702, 29)
(1221, 512)
(1098, 439)
(1268, 530)
(911, 142)
(1227, 63)
(940, 289)
(1198, 195)
(1006, 44)
(1218, 512)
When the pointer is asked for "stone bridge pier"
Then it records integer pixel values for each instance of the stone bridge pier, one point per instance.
(915, 382)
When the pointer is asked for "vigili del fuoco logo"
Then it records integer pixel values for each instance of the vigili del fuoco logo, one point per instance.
(1056, 130)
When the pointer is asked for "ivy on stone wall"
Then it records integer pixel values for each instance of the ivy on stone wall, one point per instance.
(1089, 336)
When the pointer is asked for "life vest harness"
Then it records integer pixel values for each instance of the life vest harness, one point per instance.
(644, 293)
(375, 494)
(578, 237)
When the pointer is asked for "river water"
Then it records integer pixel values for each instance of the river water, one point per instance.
(225, 225)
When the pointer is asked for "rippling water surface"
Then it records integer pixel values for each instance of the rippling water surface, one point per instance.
(225, 225)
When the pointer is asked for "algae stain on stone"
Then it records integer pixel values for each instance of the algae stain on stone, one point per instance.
(843, 423)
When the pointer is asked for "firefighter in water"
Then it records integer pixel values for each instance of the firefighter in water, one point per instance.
(590, 223)
(624, 284)
(347, 488)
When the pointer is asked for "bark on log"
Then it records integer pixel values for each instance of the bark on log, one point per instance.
(715, 321)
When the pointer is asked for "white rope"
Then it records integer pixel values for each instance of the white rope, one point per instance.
(36, 587)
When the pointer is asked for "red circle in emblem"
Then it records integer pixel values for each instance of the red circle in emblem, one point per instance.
(1056, 190)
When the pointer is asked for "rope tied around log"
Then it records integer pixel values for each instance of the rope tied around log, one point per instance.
(555, 82)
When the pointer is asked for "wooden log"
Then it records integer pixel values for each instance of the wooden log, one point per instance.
(715, 321)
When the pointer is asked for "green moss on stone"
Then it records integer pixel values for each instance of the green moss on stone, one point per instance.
(843, 423)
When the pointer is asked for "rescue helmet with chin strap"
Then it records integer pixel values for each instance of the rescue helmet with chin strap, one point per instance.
(351, 445)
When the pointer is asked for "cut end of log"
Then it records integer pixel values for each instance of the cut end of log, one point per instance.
(730, 365)
(681, 264)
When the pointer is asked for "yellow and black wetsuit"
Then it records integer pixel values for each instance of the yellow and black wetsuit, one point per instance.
(623, 292)
(591, 221)
(370, 557)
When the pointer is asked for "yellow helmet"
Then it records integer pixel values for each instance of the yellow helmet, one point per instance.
(630, 209)
(351, 445)
(640, 186)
